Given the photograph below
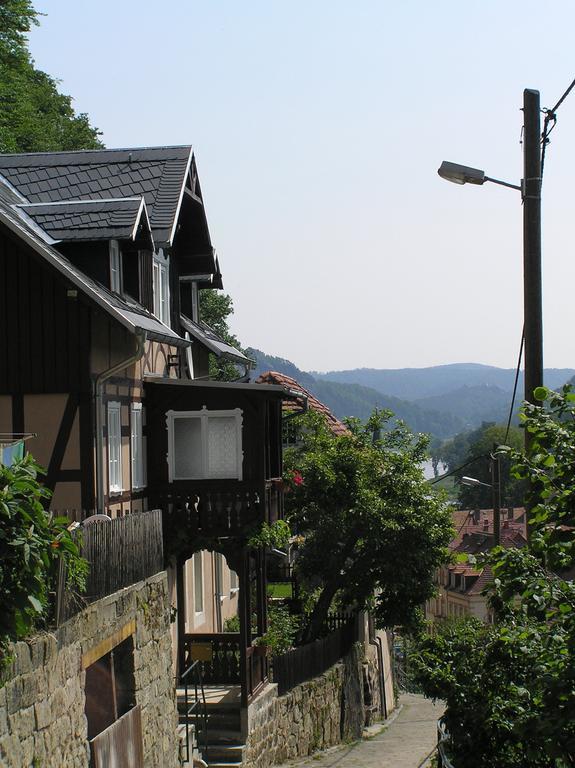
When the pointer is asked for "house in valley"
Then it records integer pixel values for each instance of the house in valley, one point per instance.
(460, 584)
(105, 366)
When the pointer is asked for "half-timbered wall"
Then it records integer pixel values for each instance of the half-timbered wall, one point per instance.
(44, 375)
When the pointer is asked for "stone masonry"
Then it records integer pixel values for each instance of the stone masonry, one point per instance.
(42, 699)
(315, 715)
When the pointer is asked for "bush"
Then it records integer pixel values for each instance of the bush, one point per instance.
(32, 541)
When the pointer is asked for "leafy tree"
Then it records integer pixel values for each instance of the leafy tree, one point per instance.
(34, 115)
(372, 531)
(215, 308)
(475, 447)
(31, 544)
(510, 687)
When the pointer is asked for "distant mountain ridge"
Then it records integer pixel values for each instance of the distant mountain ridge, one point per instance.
(419, 383)
(349, 400)
(441, 400)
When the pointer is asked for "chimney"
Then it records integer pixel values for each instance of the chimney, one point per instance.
(486, 524)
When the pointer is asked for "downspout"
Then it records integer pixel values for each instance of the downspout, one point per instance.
(98, 398)
(375, 641)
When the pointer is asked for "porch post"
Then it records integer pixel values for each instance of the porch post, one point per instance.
(245, 621)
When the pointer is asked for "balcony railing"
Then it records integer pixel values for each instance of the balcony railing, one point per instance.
(222, 506)
(222, 664)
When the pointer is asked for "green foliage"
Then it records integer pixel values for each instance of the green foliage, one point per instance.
(274, 536)
(479, 443)
(372, 530)
(31, 545)
(34, 115)
(232, 624)
(215, 308)
(282, 630)
(517, 677)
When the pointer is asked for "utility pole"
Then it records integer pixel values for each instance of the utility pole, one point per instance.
(496, 489)
(533, 313)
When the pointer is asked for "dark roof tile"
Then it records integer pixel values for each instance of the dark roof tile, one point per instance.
(158, 172)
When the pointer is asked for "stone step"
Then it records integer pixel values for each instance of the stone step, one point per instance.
(225, 753)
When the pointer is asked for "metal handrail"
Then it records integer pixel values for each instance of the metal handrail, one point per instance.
(443, 738)
(197, 709)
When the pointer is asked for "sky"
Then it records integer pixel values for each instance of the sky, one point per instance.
(318, 127)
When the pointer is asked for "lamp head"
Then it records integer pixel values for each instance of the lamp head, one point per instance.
(461, 174)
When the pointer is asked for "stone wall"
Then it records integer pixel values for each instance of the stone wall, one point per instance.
(314, 715)
(42, 702)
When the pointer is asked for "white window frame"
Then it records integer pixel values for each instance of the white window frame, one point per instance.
(204, 415)
(115, 481)
(115, 267)
(137, 446)
(161, 287)
(199, 615)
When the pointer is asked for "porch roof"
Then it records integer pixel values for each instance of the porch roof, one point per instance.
(209, 338)
(242, 386)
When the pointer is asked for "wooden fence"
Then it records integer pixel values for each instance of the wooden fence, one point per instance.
(120, 552)
(308, 661)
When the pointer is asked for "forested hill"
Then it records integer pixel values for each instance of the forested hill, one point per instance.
(441, 400)
(418, 383)
(356, 400)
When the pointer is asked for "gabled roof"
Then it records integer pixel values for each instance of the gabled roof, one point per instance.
(209, 338)
(81, 220)
(273, 377)
(129, 314)
(156, 173)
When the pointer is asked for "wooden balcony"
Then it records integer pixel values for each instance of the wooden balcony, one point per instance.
(218, 507)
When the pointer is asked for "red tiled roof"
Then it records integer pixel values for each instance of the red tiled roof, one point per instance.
(273, 377)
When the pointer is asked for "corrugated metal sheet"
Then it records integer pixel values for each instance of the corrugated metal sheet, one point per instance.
(121, 745)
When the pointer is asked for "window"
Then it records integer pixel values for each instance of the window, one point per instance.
(234, 584)
(198, 583)
(115, 267)
(219, 576)
(161, 288)
(205, 444)
(114, 447)
(137, 446)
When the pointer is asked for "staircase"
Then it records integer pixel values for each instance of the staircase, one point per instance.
(225, 747)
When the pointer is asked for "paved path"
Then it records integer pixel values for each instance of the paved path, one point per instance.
(404, 742)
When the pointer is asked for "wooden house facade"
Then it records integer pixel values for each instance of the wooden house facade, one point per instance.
(104, 364)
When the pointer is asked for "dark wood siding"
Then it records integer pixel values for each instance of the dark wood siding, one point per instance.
(44, 333)
(256, 444)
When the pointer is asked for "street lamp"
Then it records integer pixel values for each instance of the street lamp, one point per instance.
(531, 196)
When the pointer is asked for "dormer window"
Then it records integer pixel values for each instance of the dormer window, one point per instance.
(161, 288)
(115, 267)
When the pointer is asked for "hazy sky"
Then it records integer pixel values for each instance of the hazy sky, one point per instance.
(318, 127)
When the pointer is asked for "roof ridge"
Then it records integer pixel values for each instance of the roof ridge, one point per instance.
(95, 151)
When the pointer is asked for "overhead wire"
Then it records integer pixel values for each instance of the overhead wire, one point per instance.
(551, 116)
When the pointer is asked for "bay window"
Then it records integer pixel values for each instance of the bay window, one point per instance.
(205, 444)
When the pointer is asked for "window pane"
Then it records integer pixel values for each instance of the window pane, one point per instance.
(187, 448)
(137, 452)
(198, 583)
(114, 447)
(222, 447)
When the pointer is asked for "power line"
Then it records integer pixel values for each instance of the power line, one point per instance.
(515, 384)
(551, 116)
(462, 466)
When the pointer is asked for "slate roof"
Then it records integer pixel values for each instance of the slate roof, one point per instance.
(273, 377)
(92, 219)
(208, 337)
(156, 173)
(129, 314)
